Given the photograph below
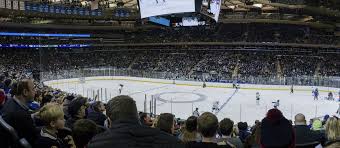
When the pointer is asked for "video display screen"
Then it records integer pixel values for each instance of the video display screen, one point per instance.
(161, 7)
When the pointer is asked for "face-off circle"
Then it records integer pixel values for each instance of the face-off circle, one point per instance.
(180, 97)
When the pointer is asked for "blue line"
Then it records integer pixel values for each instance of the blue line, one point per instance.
(226, 102)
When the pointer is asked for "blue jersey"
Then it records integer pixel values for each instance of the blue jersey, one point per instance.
(316, 93)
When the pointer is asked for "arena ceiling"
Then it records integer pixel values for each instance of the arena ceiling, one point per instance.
(232, 11)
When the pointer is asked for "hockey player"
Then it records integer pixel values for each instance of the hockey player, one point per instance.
(330, 96)
(215, 107)
(276, 104)
(257, 98)
(158, 1)
(316, 94)
(204, 85)
(234, 84)
(120, 89)
(196, 113)
(292, 89)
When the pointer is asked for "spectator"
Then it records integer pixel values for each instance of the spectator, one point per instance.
(67, 100)
(166, 123)
(17, 114)
(325, 118)
(226, 128)
(332, 132)
(207, 127)
(53, 117)
(126, 131)
(2, 98)
(317, 126)
(95, 113)
(154, 122)
(252, 141)
(7, 87)
(243, 131)
(276, 131)
(190, 131)
(83, 131)
(145, 119)
(46, 99)
(76, 110)
(303, 133)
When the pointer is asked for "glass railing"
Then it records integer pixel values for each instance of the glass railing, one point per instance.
(270, 80)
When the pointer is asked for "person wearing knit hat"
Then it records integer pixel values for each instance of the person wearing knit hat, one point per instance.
(317, 125)
(276, 131)
(76, 110)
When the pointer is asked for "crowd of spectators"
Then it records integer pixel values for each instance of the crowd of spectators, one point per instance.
(223, 33)
(47, 117)
(247, 32)
(187, 64)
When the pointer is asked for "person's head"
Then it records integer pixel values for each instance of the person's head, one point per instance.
(191, 124)
(317, 124)
(257, 122)
(196, 109)
(77, 108)
(46, 99)
(207, 125)
(276, 130)
(8, 82)
(52, 116)
(25, 89)
(332, 128)
(300, 119)
(325, 118)
(274, 115)
(242, 126)
(226, 126)
(98, 106)
(154, 123)
(166, 123)
(121, 108)
(145, 119)
(83, 131)
(256, 132)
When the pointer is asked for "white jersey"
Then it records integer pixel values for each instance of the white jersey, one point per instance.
(196, 113)
(120, 89)
(257, 96)
(215, 105)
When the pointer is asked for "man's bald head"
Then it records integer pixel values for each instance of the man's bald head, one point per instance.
(300, 119)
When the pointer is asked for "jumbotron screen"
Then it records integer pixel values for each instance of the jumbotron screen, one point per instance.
(162, 7)
(211, 8)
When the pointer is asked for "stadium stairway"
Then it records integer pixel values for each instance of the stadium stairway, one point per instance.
(278, 69)
(192, 70)
(134, 61)
(317, 70)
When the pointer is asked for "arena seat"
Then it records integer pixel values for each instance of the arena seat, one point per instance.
(308, 145)
(10, 138)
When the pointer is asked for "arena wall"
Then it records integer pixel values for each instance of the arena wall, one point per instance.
(193, 83)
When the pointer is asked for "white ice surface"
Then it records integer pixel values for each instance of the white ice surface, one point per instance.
(241, 107)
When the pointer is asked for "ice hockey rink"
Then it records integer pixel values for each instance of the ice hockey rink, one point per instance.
(183, 97)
